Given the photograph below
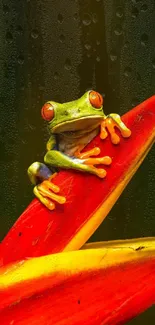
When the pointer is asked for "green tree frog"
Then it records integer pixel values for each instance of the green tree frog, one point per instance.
(72, 126)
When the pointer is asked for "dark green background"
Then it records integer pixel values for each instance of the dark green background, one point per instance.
(57, 49)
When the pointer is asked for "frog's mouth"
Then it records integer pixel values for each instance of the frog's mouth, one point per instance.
(82, 125)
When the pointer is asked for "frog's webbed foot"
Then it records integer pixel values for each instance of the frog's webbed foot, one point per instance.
(109, 123)
(90, 161)
(82, 155)
(46, 192)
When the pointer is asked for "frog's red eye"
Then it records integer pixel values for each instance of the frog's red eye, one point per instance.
(47, 112)
(96, 99)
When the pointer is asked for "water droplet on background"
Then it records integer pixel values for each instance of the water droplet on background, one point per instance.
(19, 30)
(118, 30)
(127, 71)
(98, 59)
(9, 37)
(5, 9)
(135, 102)
(60, 18)
(113, 57)
(144, 39)
(153, 63)
(119, 12)
(144, 7)
(98, 42)
(87, 46)
(75, 16)
(56, 75)
(138, 77)
(126, 44)
(34, 33)
(86, 20)
(68, 64)
(41, 87)
(95, 18)
(62, 38)
(134, 12)
(20, 59)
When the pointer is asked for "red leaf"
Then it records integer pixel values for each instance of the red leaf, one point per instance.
(89, 199)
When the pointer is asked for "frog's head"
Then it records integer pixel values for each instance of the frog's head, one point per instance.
(81, 114)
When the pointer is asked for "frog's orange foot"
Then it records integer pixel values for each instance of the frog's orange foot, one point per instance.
(112, 121)
(46, 193)
(93, 152)
(100, 172)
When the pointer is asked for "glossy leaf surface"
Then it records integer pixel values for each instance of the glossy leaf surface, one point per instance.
(39, 231)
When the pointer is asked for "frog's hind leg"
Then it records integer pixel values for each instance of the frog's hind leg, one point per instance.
(45, 190)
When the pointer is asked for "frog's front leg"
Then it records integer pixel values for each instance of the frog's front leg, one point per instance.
(110, 122)
(55, 158)
(88, 158)
(47, 192)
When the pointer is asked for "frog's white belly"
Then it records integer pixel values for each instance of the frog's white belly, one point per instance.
(68, 144)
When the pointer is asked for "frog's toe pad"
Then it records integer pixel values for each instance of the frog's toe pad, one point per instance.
(101, 172)
(97, 161)
(106, 160)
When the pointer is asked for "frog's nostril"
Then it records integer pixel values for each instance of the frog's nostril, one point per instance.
(66, 113)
